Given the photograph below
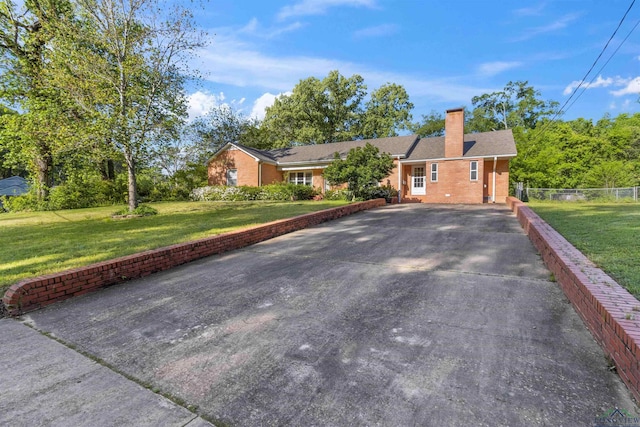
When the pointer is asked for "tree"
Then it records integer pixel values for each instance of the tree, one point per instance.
(221, 125)
(387, 111)
(363, 168)
(124, 63)
(432, 124)
(332, 109)
(317, 111)
(46, 118)
(518, 105)
(610, 174)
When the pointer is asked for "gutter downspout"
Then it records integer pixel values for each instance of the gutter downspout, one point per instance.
(399, 180)
(259, 173)
(493, 192)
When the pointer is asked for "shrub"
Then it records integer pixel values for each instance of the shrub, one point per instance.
(141, 210)
(276, 192)
(25, 202)
(340, 194)
(385, 192)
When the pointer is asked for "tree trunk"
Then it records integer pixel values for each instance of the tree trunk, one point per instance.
(43, 162)
(133, 186)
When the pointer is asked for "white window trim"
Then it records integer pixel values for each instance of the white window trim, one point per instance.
(305, 179)
(472, 170)
(235, 184)
(434, 171)
(422, 190)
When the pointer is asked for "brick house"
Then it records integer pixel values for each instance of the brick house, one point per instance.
(455, 168)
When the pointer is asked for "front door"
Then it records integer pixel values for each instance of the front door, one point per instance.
(418, 181)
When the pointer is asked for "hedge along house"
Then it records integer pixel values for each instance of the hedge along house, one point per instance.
(455, 168)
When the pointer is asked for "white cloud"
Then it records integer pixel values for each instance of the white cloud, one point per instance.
(599, 82)
(530, 11)
(260, 105)
(319, 7)
(497, 67)
(632, 87)
(201, 102)
(254, 28)
(377, 31)
(556, 25)
(230, 61)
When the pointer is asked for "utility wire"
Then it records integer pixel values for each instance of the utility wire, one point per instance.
(560, 111)
(602, 68)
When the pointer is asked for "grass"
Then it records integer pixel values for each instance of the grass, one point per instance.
(37, 243)
(607, 233)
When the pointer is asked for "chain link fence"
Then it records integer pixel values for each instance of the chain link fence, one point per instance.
(577, 194)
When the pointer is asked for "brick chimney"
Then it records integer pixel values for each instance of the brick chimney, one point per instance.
(454, 133)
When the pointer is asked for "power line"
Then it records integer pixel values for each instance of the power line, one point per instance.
(603, 66)
(544, 129)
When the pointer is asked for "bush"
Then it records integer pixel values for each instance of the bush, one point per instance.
(141, 210)
(341, 194)
(25, 202)
(385, 192)
(276, 192)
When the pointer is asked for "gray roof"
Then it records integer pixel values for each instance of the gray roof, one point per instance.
(396, 146)
(487, 144)
(498, 143)
(13, 186)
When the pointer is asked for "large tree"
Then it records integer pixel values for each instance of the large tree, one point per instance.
(386, 112)
(432, 124)
(334, 109)
(517, 105)
(124, 63)
(222, 124)
(45, 119)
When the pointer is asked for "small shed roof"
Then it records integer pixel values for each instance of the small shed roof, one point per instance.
(13, 186)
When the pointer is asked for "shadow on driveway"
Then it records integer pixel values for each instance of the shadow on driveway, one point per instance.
(404, 315)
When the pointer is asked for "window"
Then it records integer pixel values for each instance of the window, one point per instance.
(473, 170)
(417, 181)
(301, 178)
(232, 177)
(434, 172)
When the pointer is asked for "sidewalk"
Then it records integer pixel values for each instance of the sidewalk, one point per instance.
(42, 382)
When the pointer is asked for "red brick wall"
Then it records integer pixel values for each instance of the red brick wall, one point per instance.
(453, 185)
(454, 133)
(502, 179)
(246, 165)
(607, 309)
(270, 174)
(32, 294)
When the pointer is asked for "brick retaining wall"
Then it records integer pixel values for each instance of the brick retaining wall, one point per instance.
(610, 312)
(37, 292)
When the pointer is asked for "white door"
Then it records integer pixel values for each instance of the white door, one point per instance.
(418, 181)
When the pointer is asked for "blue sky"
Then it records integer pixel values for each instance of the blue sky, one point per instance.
(443, 53)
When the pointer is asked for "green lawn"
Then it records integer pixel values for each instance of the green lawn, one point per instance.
(36, 243)
(607, 233)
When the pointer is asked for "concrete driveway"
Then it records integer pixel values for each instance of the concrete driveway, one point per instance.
(404, 315)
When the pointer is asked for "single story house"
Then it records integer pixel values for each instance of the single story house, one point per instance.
(455, 168)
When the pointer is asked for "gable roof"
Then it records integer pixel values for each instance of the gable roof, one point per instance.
(396, 146)
(407, 148)
(498, 143)
(261, 155)
(13, 186)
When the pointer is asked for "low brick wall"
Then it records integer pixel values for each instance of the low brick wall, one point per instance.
(610, 312)
(37, 292)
